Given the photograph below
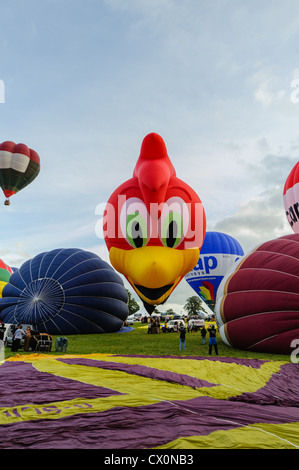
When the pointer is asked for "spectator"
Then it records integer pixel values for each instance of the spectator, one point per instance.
(27, 339)
(203, 332)
(18, 335)
(212, 340)
(182, 337)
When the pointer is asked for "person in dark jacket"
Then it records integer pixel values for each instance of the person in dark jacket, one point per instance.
(203, 333)
(182, 338)
(212, 339)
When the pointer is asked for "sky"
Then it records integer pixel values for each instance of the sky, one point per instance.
(83, 82)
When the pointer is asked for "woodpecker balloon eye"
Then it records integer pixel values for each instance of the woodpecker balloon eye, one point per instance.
(174, 222)
(136, 230)
(172, 230)
(134, 222)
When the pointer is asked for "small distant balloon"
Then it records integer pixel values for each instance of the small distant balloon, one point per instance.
(19, 166)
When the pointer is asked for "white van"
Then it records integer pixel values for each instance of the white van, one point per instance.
(195, 324)
(174, 325)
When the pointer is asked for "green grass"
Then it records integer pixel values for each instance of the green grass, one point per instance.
(139, 342)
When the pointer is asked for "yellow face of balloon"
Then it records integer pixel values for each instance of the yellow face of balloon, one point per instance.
(154, 271)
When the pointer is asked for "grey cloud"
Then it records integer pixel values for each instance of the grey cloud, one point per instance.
(260, 219)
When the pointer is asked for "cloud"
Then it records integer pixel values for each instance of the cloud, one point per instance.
(266, 87)
(259, 219)
(272, 169)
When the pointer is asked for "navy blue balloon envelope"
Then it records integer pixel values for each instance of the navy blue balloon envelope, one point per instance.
(66, 291)
(218, 253)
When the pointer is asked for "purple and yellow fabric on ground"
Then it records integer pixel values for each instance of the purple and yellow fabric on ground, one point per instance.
(102, 401)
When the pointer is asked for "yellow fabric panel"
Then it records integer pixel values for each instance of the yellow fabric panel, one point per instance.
(256, 436)
(231, 379)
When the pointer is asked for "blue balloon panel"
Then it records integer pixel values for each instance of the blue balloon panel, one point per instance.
(66, 291)
(218, 253)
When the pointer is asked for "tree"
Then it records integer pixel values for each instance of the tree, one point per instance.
(132, 304)
(192, 305)
(170, 311)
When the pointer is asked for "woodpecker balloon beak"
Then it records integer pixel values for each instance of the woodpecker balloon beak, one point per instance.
(154, 271)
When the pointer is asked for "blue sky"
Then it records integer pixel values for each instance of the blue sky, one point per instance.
(85, 82)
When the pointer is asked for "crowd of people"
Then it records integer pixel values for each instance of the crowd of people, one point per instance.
(29, 336)
(211, 331)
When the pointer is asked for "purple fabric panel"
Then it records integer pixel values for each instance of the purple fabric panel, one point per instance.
(141, 427)
(142, 371)
(255, 363)
(21, 384)
(281, 389)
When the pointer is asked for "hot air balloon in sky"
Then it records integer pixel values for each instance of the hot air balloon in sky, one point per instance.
(19, 166)
(154, 225)
(218, 253)
(5, 273)
(258, 302)
(66, 291)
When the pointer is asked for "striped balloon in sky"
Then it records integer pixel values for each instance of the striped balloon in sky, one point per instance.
(19, 166)
(66, 291)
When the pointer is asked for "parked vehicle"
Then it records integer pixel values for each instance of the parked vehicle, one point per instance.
(130, 320)
(178, 316)
(195, 325)
(173, 325)
(137, 316)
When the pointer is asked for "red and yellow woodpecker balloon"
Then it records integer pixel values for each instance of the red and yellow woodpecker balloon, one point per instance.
(154, 225)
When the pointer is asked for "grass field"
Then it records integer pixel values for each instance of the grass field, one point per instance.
(139, 341)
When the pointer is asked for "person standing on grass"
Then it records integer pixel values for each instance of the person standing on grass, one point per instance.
(182, 337)
(212, 339)
(18, 335)
(203, 332)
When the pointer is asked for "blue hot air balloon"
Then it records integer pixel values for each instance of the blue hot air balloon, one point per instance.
(66, 291)
(218, 253)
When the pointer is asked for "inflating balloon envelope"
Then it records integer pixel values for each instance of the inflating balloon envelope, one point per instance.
(66, 291)
(154, 225)
(257, 307)
(218, 253)
(5, 273)
(291, 198)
